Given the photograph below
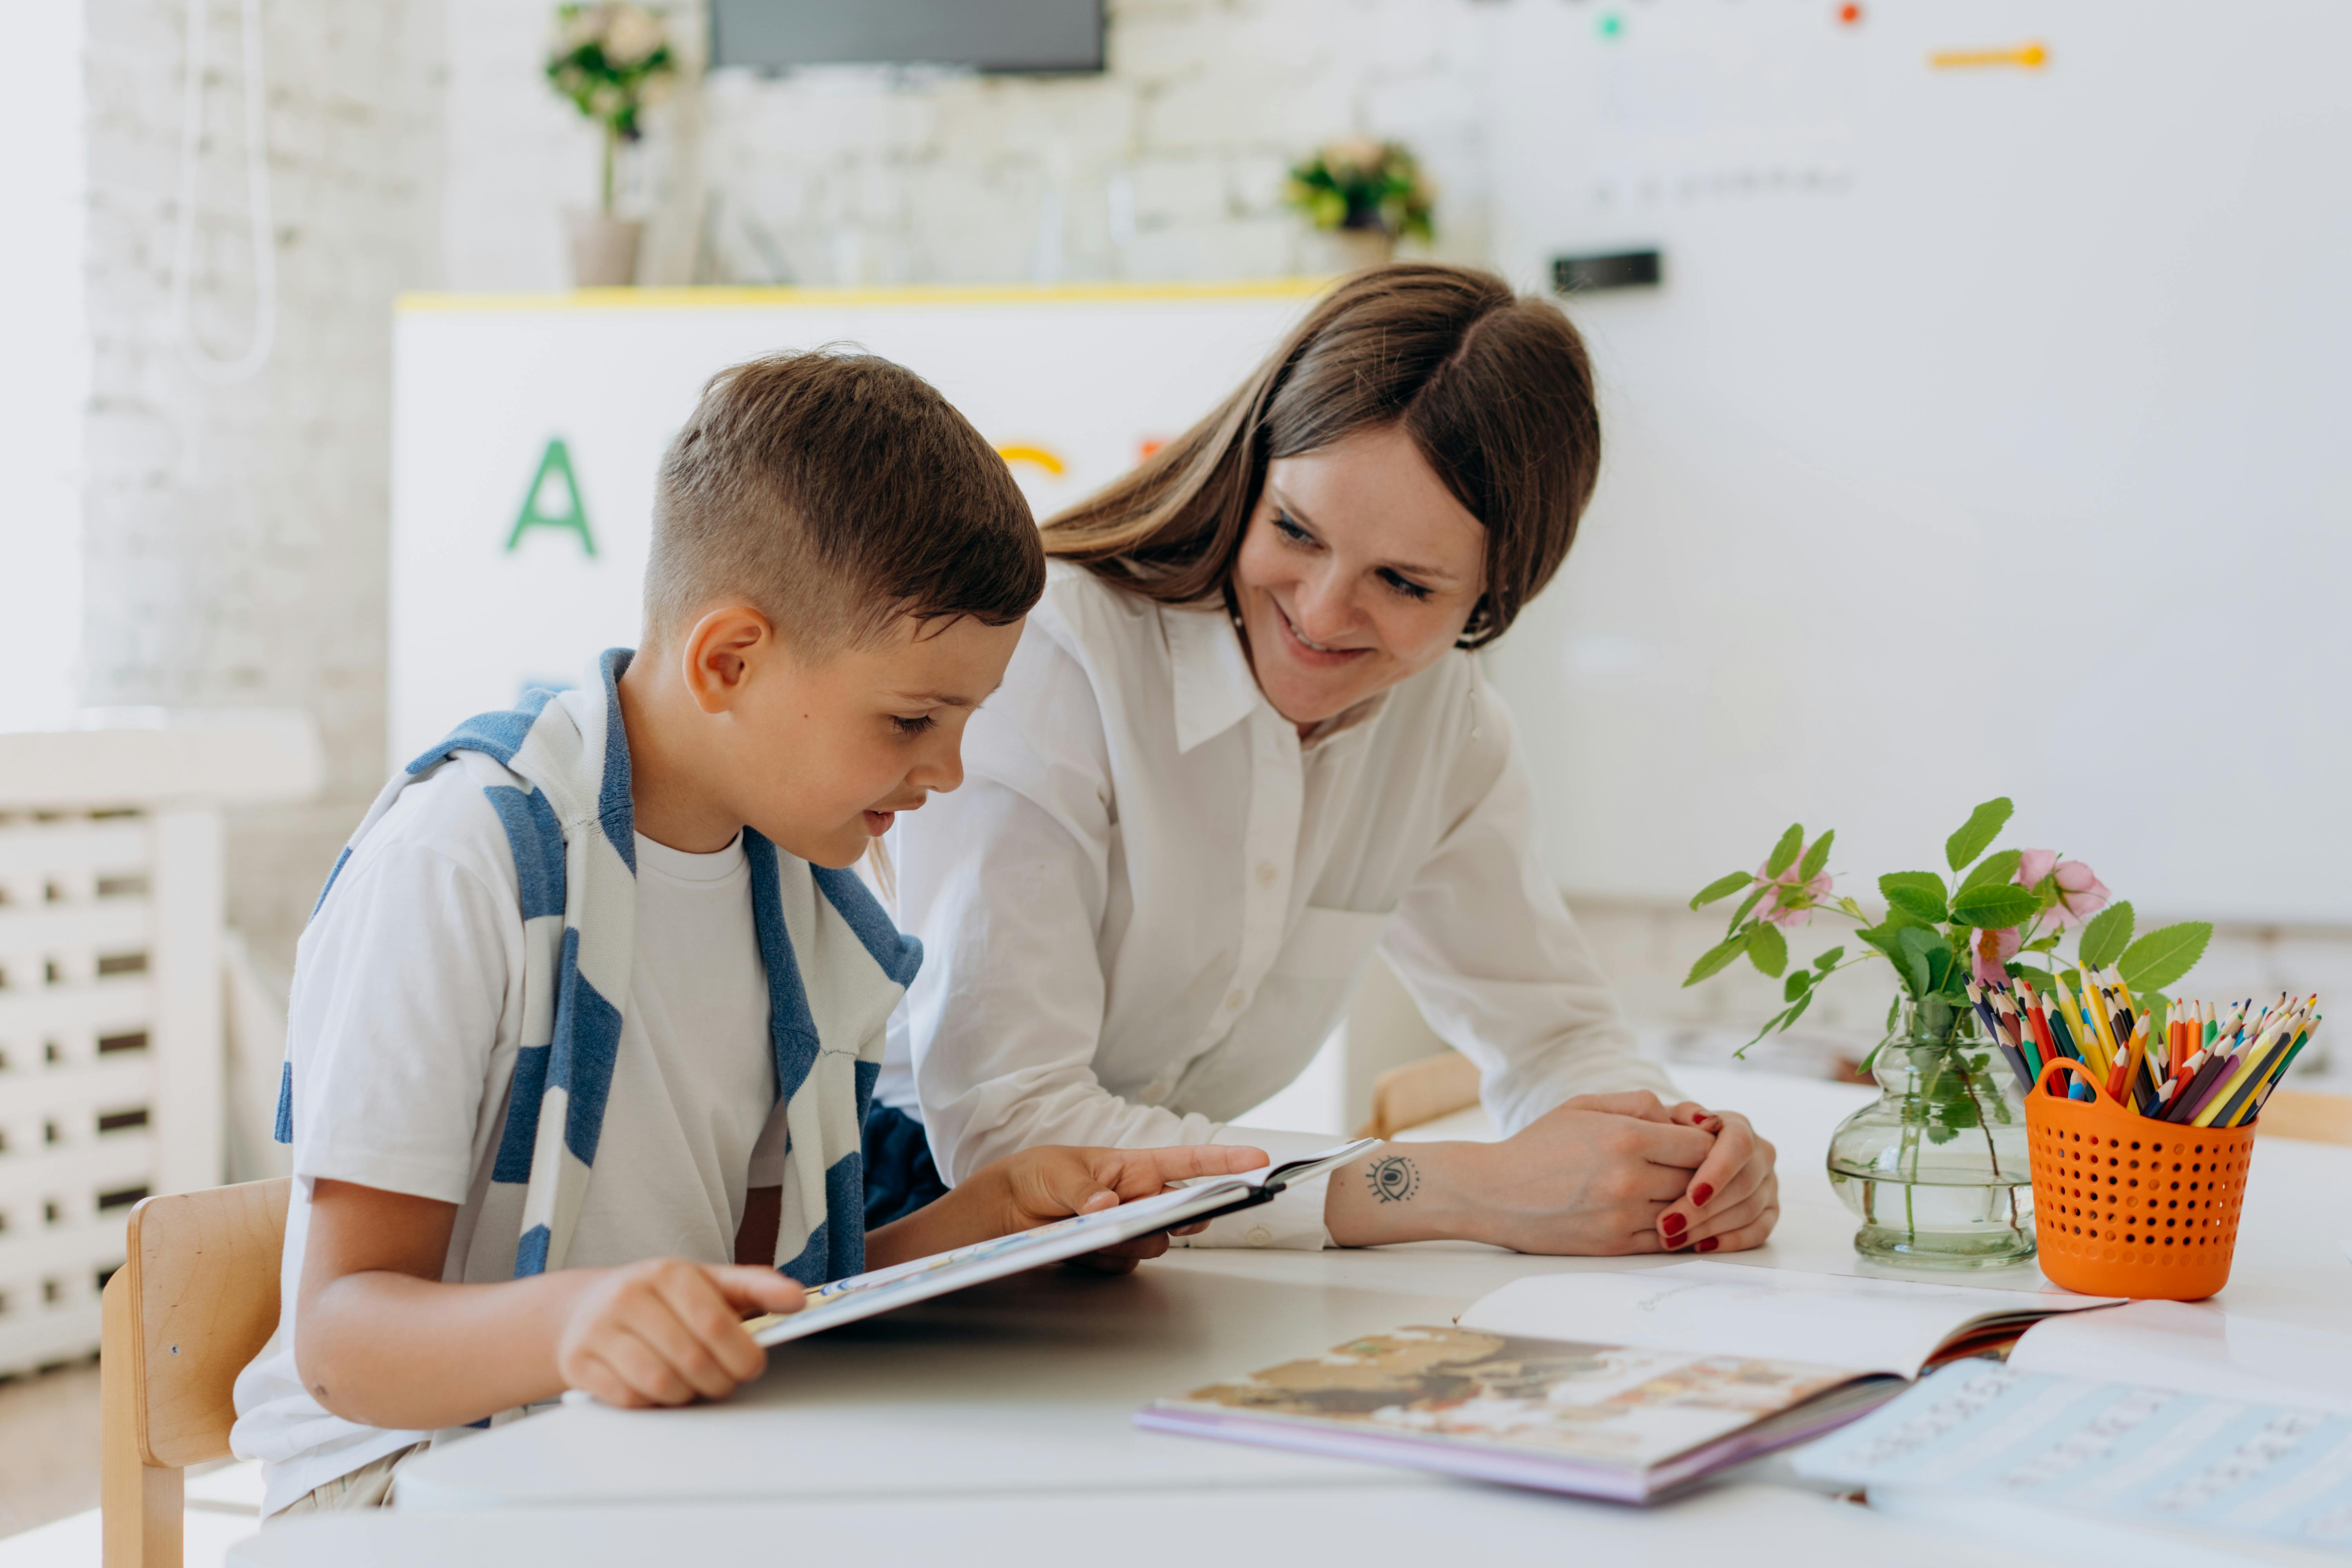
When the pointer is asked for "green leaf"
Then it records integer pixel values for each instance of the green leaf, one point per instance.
(1721, 888)
(1994, 906)
(2106, 936)
(1767, 950)
(1747, 905)
(2037, 978)
(1816, 858)
(1800, 982)
(1912, 944)
(1920, 894)
(1881, 937)
(1784, 854)
(1983, 825)
(1780, 1020)
(1829, 960)
(2161, 957)
(1939, 968)
(2001, 868)
(1715, 958)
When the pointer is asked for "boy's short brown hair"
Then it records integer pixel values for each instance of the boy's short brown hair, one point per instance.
(835, 491)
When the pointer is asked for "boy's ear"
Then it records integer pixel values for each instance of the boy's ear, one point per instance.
(720, 653)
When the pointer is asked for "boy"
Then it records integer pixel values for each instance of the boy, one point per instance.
(586, 1023)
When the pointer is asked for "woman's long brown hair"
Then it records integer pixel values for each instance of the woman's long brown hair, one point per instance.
(1495, 392)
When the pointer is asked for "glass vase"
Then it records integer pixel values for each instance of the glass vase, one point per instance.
(1936, 1168)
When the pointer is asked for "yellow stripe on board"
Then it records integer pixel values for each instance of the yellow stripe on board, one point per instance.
(726, 298)
(2024, 56)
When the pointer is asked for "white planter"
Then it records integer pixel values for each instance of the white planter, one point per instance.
(603, 248)
(1336, 250)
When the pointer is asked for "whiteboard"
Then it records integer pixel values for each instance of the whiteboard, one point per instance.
(1985, 436)
(1071, 384)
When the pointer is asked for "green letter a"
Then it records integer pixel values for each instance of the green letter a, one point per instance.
(555, 465)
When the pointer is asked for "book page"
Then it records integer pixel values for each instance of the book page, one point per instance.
(1603, 1405)
(881, 1289)
(1722, 1309)
(2149, 1456)
(2195, 1350)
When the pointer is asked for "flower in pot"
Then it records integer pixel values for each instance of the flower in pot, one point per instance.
(1362, 196)
(610, 61)
(1936, 1168)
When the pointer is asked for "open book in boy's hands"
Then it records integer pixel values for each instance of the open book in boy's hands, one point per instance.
(863, 1295)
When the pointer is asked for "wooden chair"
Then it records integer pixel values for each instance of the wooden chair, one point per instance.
(2313, 1118)
(1420, 1092)
(195, 1300)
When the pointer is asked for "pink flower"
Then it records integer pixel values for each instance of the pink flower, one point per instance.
(2081, 894)
(1990, 952)
(1788, 891)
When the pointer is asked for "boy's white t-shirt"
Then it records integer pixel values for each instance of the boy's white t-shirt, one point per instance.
(406, 1016)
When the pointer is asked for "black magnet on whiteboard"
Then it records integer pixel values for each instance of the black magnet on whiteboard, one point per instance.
(1618, 269)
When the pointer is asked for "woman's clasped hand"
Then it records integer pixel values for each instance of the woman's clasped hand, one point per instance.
(1601, 1175)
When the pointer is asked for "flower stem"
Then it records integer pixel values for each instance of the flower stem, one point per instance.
(610, 138)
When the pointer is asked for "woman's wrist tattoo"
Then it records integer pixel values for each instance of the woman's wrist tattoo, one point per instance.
(1394, 1178)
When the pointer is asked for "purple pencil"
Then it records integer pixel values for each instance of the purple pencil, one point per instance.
(2197, 1105)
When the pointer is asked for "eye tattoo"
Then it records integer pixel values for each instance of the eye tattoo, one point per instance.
(1394, 1179)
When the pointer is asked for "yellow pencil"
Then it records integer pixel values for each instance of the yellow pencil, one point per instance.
(2073, 1016)
(2123, 990)
(2096, 1005)
(2252, 1062)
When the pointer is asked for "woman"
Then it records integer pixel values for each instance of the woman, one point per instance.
(1242, 742)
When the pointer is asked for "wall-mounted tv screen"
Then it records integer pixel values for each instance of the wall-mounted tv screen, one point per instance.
(987, 34)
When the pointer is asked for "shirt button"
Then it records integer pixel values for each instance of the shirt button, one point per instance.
(1259, 1235)
(1266, 874)
(1235, 1001)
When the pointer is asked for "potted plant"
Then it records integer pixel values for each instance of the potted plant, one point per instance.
(611, 60)
(1362, 196)
(1936, 1168)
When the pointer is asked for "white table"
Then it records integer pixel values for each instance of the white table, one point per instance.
(1297, 1526)
(1025, 1389)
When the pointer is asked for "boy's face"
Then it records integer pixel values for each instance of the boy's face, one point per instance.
(819, 755)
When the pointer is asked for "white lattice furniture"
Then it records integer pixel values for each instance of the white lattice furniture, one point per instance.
(110, 1066)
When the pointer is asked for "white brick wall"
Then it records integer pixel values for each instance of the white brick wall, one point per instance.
(1169, 165)
(233, 537)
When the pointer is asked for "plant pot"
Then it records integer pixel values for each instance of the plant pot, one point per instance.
(1333, 251)
(603, 248)
(1937, 1168)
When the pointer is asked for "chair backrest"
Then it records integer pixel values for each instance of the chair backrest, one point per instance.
(2315, 1117)
(203, 1297)
(1420, 1092)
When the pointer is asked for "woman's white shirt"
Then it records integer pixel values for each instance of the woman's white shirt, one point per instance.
(1148, 904)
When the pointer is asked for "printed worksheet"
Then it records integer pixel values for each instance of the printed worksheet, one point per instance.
(2147, 1456)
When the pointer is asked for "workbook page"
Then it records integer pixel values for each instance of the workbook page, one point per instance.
(1722, 1309)
(2146, 1456)
(2195, 1349)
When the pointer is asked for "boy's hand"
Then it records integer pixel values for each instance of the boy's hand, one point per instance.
(1038, 1185)
(665, 1331)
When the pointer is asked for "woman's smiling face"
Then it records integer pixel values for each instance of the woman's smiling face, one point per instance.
(1358, 569)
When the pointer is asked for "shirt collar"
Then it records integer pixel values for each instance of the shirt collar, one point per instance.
(1216, 689)
(1214, 686)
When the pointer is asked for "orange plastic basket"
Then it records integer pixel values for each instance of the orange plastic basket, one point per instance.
(2124, 1206)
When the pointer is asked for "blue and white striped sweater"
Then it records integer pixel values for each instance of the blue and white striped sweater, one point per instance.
(556, 771)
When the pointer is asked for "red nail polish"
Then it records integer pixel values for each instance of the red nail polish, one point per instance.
(1700, 1193)
(1709, 1245)
(1672, 1225)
